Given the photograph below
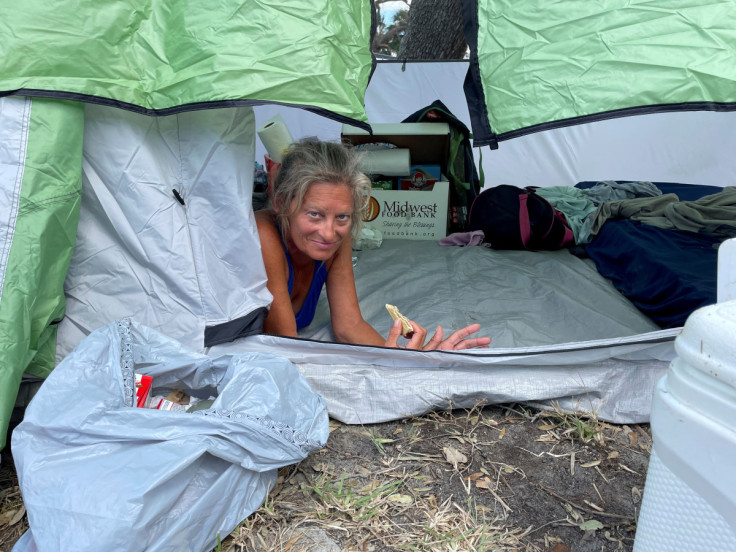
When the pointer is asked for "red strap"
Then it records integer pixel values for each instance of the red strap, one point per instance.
(526, 229)
(569, 238)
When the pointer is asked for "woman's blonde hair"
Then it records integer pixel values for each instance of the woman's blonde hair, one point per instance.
(309, 161)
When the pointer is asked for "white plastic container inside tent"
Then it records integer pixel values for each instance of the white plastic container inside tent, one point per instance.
(689, 499)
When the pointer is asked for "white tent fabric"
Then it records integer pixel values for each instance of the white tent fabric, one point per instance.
(685, 147)
(14, 113)
(561, 333)
(140, 252)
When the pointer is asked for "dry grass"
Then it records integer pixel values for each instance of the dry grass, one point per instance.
(393, 499)
(392, 511)
(13, 520)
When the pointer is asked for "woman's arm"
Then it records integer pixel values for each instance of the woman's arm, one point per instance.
(348, 324)
(280, 319)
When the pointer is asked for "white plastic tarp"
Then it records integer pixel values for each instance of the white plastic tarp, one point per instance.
(97, 473)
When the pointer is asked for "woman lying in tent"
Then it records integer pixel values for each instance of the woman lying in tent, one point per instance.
(305, 232)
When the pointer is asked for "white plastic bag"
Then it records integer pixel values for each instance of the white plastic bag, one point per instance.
(97, 473)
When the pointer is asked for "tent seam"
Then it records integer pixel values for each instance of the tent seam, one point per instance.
(22, 153)
(36, 205)
(182, 108)
(714, 107)
(186, 218)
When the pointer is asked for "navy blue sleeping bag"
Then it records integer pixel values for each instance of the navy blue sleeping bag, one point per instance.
(667, 274)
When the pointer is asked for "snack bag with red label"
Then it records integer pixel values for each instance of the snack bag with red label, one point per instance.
(142, 388)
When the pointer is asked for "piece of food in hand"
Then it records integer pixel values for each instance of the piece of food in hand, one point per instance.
(406, 328)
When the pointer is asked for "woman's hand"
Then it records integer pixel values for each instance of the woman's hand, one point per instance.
(456, 342)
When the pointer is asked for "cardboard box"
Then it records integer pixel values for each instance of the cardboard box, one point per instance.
(409, 214)
(429, 143)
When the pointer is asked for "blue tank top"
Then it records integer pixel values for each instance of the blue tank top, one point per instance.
(306, 314)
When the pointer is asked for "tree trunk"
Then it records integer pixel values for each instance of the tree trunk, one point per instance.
(434, 31)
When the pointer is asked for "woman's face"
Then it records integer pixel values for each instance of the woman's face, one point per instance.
(324, 219)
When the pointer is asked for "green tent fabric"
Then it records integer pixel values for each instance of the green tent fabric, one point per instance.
(538, 65)
(163, 56)
(40, 166)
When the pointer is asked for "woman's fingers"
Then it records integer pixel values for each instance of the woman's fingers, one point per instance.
(417, 336)
(417, 339)
(394, 334)
(436, 340)
(457, 341)
(472, 343)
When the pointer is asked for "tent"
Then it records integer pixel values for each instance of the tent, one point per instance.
(172, 64)
(129, 141)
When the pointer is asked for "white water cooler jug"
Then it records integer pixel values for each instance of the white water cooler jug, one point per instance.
(689, 501)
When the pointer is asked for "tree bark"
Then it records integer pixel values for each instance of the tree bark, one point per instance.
(434, 31)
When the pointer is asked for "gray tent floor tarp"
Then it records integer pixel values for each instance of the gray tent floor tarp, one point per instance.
(520, 298)
(563, 335)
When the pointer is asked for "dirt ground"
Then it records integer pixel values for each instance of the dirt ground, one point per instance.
(502, 478)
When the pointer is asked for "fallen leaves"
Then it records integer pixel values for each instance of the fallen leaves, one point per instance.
(454, 456)
(11, 517)
(402, 499)
(483, 482)
(591, 525)
(572, 463)
(13, 520)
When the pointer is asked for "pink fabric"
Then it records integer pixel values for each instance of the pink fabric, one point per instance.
(465, 238)
(526, 229)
